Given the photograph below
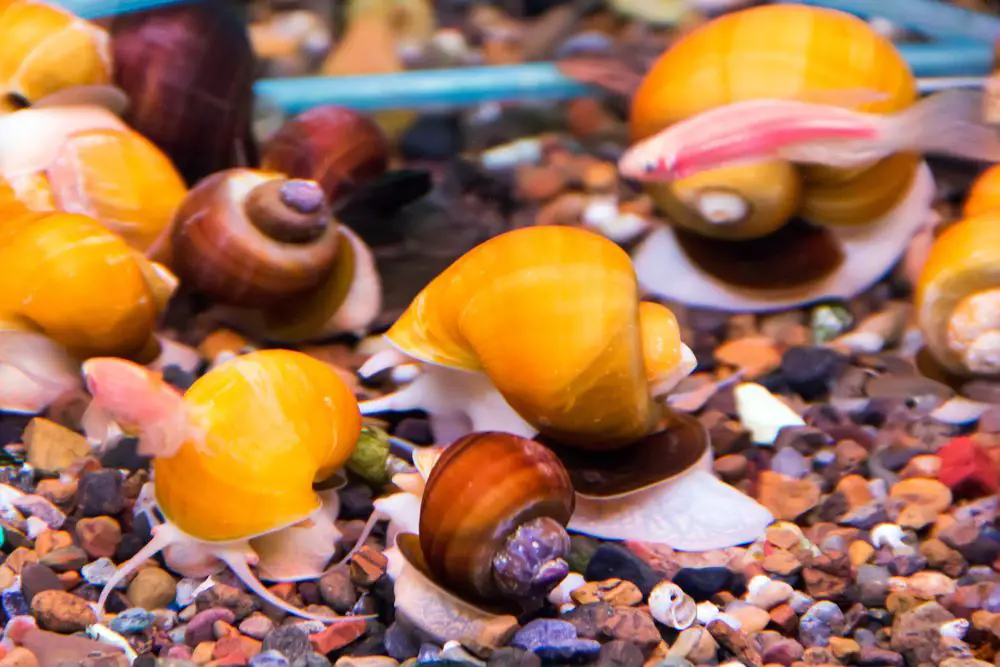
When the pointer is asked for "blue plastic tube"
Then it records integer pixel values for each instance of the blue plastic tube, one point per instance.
(456, 88)
(94, 9)
(931, 17)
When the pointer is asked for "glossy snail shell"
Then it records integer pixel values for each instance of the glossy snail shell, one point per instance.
(253, 237)
(499, 482)
(984, 195)
(47, 49)
(498, 309)
(781, 51)
(84, 159)
(957, 295)
(335, 146)
(275, 422)
(69, 278)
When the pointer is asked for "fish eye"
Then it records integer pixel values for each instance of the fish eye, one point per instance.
(650, 167)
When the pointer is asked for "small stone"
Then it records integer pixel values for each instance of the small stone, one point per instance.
(613, 591)
(131, 621)
(633, 625)
(810, 371)
(978, 544)
(871, 656)
(967, 469)
(509, 656)
(152, 588)
(337, 591)
(790, 463)
(823, 620)
(100, 494)
(256, 625)
(769, 594)
(731, 467)
(781, 563)
(366, 661)
(230, 597)
(786, 498)
(926, 492)
(51, 447)
(398, 643)
(736, 642)
(844, 649)
(200, 627)
(756, 356)
(335, 636)
(367, 566)
(784, 651)
(752, 619)
(37, 506)
(916, 630)
(942, 557)
(589, 619)
(65, 559)
(543, 631)
(610, 561)
(269, 658)
(823, 585)
(704, 582)
(36, 578)
(19, 657)
(99, 572)
(99, 536)
(860, 552)
(60, 611)
(619, 653)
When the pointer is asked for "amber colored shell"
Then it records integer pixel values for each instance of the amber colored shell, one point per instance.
(782, 51)
(551, 315)
(86, 160)
(984, 195)
(964, 260)
(68, 277)
(276, 421)
(335, 146)
(47, 49)
(481, 489)
(217, 249)
(661, 340)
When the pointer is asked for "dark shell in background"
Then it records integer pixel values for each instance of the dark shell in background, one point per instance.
(794, 255)
(189, 71)
(674, 449)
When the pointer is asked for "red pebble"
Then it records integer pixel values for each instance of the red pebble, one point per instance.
(967, 469)
(337, 635)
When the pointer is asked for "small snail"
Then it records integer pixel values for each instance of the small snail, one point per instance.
(47, 49)
(958, 296)
(236, 456)
(334, 146)
(539, 331)
(268, 247)
(772, 234)
(502, 553)
(70, 290)
(83, 159)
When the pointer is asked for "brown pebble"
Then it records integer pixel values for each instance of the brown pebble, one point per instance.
(613, 591)
(99, 536)
(755, 356)
(781, 562)
(736, 642)
(152, 588)
(855, 489)
(60, 611)
(785, 619)
(52, 447)
(202, 653)
(942, 557)
(336, 635)
(731, 467)
(65, 559)
(50, 540)
(57, 491)
(633, 625)
(860, 552)
(367, 566)
(21, 555)
(19, 657)
(925, 492)
(787, 498)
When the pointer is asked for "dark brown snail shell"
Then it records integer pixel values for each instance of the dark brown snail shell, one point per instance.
(188, 71)
(337, 147)
(492, 520)
(254, 238)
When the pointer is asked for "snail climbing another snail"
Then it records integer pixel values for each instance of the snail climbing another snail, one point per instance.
(539, 332)
(774, 234)
(501, 554)
(70, 290)
(267, 248)
(235, 461)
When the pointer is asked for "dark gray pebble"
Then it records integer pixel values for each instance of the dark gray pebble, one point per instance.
(620, 653)
(704, 582)
(36, 578)
(399, 645)
(417, 431)
(432, 137)
(372, 644)
(810, 371)
(131, 621)
(311, 659)
(355, 502)
(123, 454)
(613, 561)
(287, 640)
(100, 494)
(129, 546)
(572, 651)
(510, 656)
(14, 603)
(178, 377)
(543, 632)
(879, 657)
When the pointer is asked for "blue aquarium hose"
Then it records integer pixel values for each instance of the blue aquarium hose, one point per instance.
(95, 9)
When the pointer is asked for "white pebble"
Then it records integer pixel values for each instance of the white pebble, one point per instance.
(35, 527)
(560, 594)
(707, 612)
(956, 628)
(769, 594)
(730, 620)
(763, 413)
(100, 572)
(887, 534)
(671, 606)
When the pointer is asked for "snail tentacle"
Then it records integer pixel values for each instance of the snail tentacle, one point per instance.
(164, 535)
(532, 560)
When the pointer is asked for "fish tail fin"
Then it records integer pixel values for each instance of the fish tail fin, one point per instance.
(949, 123)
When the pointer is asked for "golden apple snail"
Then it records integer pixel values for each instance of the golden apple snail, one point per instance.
(235, 457)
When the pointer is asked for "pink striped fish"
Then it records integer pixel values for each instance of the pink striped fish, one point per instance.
(948, 123)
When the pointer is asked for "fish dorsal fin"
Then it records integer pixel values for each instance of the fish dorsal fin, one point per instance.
(847, 98)
(108, 97)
